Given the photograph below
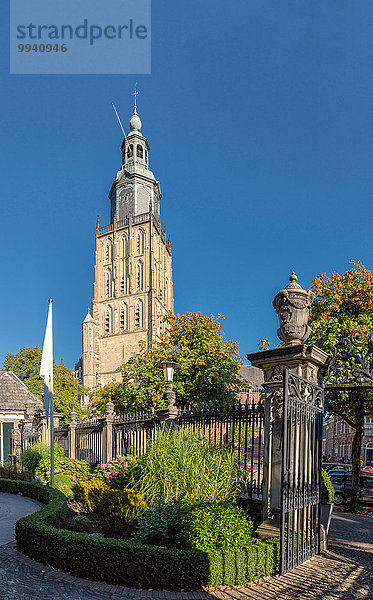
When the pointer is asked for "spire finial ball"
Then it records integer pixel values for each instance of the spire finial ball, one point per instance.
(293, 277)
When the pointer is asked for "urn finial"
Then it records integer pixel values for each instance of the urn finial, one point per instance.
(293, 306)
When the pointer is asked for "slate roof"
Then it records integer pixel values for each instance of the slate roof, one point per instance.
(14, 395)
(252, 374)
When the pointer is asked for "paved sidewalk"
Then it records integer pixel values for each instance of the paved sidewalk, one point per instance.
(13, 508)
(344, 572)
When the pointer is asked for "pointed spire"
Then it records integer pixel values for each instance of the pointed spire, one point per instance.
(98, 222)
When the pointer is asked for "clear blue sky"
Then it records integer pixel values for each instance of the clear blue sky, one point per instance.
(259, 115)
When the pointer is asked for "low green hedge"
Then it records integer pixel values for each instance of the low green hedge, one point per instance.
(129, 562)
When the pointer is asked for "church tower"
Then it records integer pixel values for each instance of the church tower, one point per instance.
(133, 268)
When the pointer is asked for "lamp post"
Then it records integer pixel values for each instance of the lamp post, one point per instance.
(169, 367)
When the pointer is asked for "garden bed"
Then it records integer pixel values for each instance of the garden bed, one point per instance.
(41, 537)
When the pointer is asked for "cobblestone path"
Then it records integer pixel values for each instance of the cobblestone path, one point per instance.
(344, 572)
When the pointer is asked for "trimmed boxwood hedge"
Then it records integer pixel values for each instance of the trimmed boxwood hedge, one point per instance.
(128, 562)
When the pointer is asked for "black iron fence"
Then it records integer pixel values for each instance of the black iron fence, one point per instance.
(132, 433)
(61, 435)
(89, 441)
(239, 425)
(301, 470)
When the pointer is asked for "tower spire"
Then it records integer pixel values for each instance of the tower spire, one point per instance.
(135, 94)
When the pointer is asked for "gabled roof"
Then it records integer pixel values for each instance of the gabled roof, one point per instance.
(14, 395)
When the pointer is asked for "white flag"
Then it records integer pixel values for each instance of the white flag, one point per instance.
(46, 367)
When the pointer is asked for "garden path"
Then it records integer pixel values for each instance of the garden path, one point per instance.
(344, 572)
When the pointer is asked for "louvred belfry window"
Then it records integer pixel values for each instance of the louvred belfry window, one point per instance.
(139, 315)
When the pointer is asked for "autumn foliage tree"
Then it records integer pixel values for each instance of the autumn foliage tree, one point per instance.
(209, 366)
(344, 303)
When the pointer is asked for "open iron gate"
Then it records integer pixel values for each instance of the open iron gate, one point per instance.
(301, 470)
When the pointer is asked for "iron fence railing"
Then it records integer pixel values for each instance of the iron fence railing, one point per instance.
(89, 442)
(132, 433)
(241, 427)
(61, 435)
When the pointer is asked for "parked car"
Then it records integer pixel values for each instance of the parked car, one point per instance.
(342, 484)
(367, 469)
(334, 466)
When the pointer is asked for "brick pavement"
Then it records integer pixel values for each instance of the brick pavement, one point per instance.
(344, 572)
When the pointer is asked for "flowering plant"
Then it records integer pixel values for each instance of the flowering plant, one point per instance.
(77, 470)
(115, 471)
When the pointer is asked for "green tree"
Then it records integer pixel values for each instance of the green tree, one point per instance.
(209, 367)
(26, 365)
(344, 303)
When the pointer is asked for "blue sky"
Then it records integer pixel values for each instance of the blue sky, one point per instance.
(259, 115)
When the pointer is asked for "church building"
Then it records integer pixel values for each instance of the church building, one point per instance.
(133, 268)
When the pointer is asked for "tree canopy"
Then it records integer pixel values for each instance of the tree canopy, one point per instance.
(344, 303)
(26, 365)
(209, 366)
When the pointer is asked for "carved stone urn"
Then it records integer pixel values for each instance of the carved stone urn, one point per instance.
(293, 306)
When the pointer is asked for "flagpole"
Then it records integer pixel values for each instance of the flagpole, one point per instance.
(52, 438)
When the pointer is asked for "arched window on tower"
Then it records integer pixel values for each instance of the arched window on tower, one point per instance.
(146, 157)
(124, 245)
(166, 292)
(123, 285)
(108, 320)
(140, 241)
(108, 284)
(130, 151)
(139, 276)
(139, 315)
(123, 318)
(140, 151)
(109, 251)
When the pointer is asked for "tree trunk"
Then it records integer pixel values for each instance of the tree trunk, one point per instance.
(356, 451)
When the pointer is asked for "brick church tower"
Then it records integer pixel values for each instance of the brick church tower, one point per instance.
(133, 268)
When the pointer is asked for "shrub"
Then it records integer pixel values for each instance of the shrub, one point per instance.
(128, 562)
(81, 523)
(202, 526)
(11, 472)
(63, 484)
(219, 526)
(118, 511)
(75, 469)
(116, 472)
(182, 464)
(327, 489)
(87, 493)
(40, 452)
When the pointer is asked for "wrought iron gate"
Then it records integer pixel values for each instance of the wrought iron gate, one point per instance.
(301, 470)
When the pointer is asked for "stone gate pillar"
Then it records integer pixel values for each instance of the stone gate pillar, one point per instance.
(293, 307)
